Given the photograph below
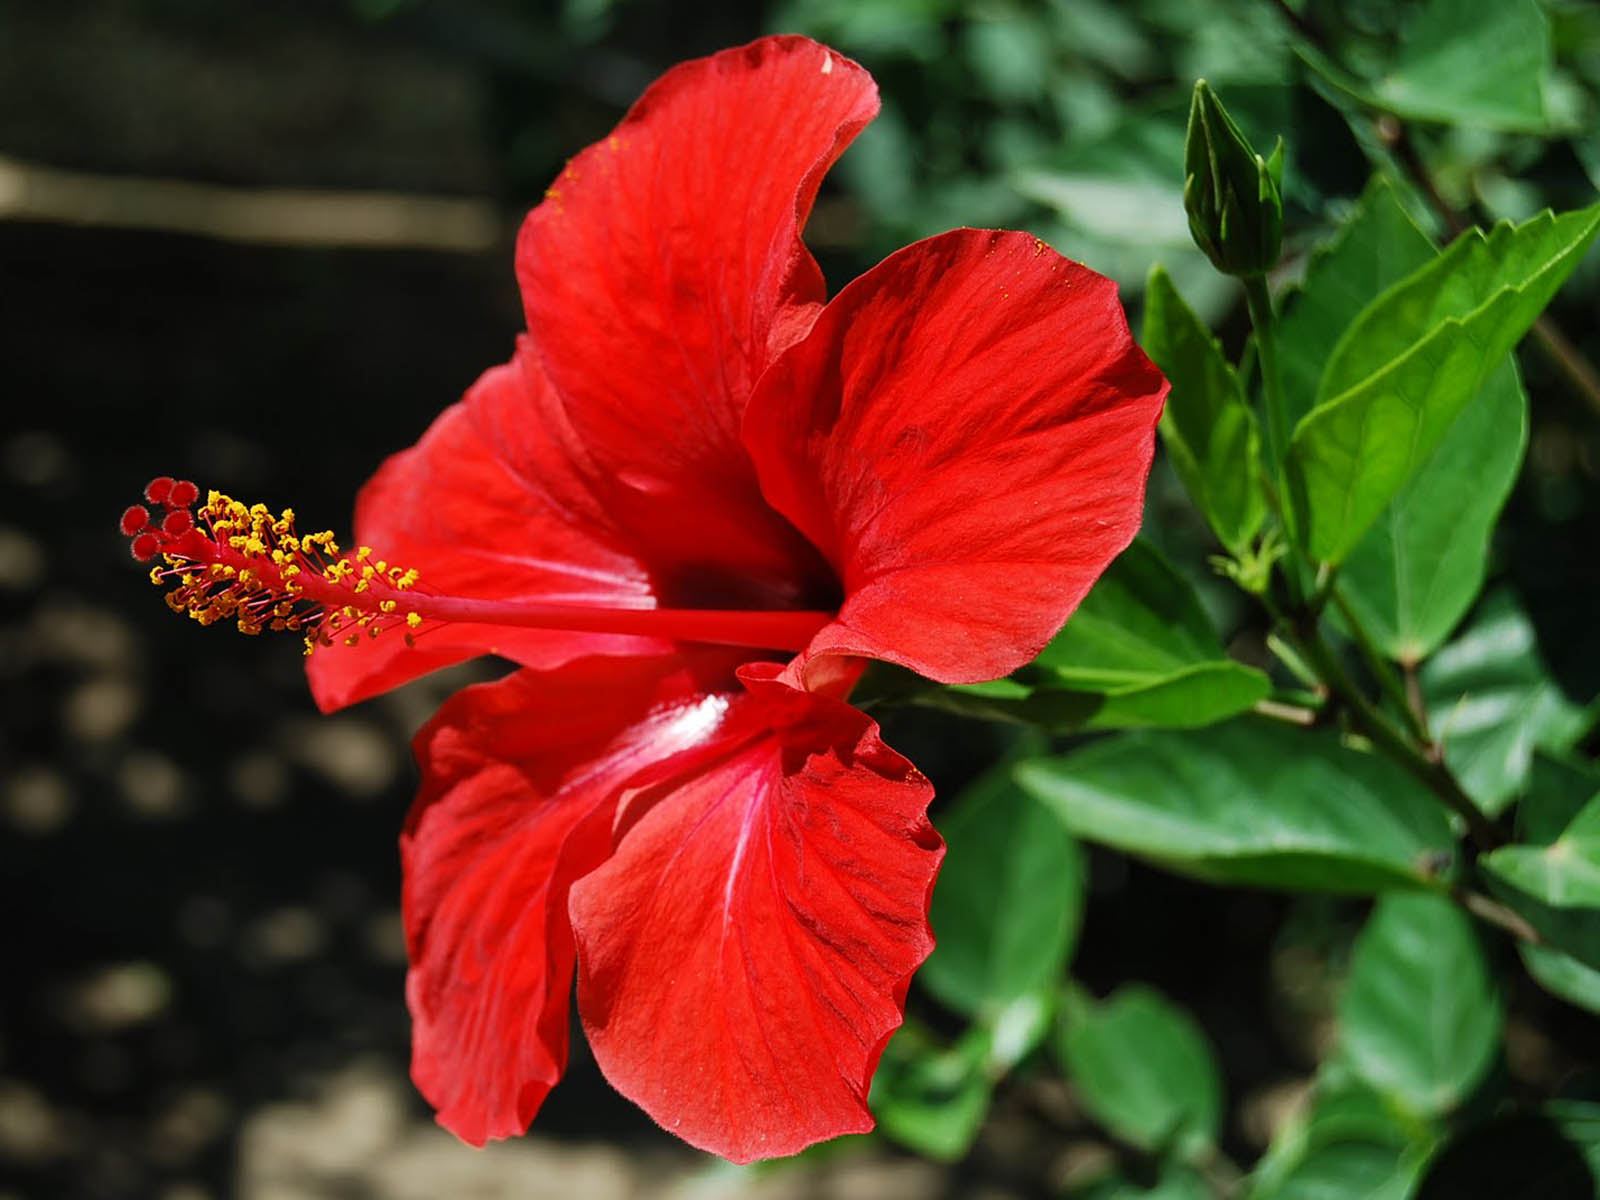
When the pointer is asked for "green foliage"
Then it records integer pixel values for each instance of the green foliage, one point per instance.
(1420, 1018)
(1140, 651)
(1208, 427)
(1492, 704)
(1341, 707)
(1409, 364)
(1145, 1070)
(1250, 803)
(1009, 899)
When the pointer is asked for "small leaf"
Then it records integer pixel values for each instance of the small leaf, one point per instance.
(1419, 1019)
(1250, 803)
(1009, 900)
(1491, 703)
(930, 1098)
(1208, 427)
(1411, 361)
(1145, 1070)
(1565, 873)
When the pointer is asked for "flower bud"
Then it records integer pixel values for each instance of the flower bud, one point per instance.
(1232, 195)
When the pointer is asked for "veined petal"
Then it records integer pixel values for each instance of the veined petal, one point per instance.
(745, 952)
(965, 433)
(520, 780)
(490, 504)
(662, 273)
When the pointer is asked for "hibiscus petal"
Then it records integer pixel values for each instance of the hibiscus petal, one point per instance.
(965, 432)
(662, 273)
(520, 779)
(489, 504)
(744, 955)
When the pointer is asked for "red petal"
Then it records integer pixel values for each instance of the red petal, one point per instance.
(488, 504)
(519, 781)
(965, 433)
(744, 954)
(660, 276)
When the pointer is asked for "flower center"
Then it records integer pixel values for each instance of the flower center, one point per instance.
(229, 561)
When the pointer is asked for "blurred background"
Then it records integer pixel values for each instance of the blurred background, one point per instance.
(262, 245)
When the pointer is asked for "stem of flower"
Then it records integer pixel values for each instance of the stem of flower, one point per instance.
(1388, 681)
(1259, 301)
(1375, 726)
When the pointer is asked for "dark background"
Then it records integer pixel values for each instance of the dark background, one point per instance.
(201, 961)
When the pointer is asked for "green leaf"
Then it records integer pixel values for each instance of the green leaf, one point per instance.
(1251, 803)
(1141, 640)
(1472, 62)
(1145, 1070)
(1565, 873)
(1346, 1171)
(1475, 62)
(1208, 427)
(1491, 704)
(1420, 1019)
(1378, 246)
(1562, 975)
(1139, 651)
(1410, 363)
(1558, 788)
(1009, 900)
(930, 1098)
(1416, 572)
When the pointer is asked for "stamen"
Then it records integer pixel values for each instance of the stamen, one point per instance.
(229, 561)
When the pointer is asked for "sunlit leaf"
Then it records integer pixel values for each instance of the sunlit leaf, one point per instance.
(1411, 361)
(1251, 803)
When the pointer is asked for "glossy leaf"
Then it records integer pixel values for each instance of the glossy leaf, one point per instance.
(1145, 1070)
(1491, 703)
(1345, 1171)
(1411, 362)
(1250, 803)
(1415, 573)
(1419, 568)
(1378, 246)
(1141, 640)
(1565, 873)
(1420, 1019)
(1009, 900)
(1208, 427)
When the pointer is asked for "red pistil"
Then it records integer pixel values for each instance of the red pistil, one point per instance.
(244, 563)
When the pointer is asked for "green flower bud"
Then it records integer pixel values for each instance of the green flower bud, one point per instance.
(1233, 196)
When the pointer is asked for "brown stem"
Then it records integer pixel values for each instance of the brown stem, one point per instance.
(1497, 914)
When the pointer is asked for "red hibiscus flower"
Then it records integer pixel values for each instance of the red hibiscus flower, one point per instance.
(694, 503)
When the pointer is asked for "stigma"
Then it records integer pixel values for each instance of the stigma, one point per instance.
(225, 560)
